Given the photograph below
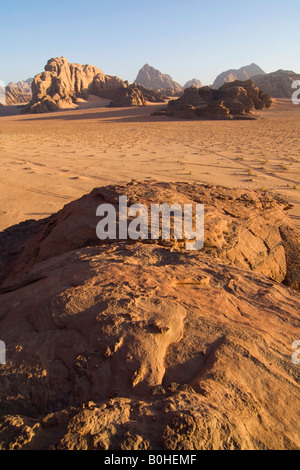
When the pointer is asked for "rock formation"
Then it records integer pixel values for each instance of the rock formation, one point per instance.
(233, 100)
(244, 73)
(62, 83)
(277, 84)
(18, 93)
(135, 95)
(193, 82)
(243, 227)
(153, 79)
(131, 346)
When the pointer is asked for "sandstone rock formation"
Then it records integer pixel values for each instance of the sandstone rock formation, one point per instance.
(132, 346)
(242, 227)
(63, 83)
(277, 84)
(129, 96)
(234, 100)
(244, 73)
(193, 82)
(153, 79)
(18, 93)
(135, 95)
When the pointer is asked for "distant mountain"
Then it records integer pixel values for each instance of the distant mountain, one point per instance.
(244, 73)
(277, 84)
(153, 79)
(18, 93)
(193, 82)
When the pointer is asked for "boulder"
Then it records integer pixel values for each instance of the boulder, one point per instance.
(259, 99)
(63, 83)
(128, 96)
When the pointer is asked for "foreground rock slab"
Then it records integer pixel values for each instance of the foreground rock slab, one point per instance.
(131, 345)
(173, 352)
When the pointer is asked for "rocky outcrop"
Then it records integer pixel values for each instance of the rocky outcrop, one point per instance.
(145, 346)
(129, 96)
(153, 79)
(135, 95)
(151, 96)
(63, 83)
(234, 100)
(277, 84)
(18, 93)
(244, 73)
(193, 82)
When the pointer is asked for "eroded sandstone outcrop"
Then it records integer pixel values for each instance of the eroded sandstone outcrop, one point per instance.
(234, 100)
(277, 84)
(63, 83)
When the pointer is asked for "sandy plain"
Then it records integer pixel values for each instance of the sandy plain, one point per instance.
(48, 160)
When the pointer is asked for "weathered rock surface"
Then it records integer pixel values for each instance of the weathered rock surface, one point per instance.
(132, 346)
(18, 93)
(62, 83)
(277, 84)
(194, 82)
(244, 73)
(234, 100)
(153, 79)
(242, 227)
(129, 96)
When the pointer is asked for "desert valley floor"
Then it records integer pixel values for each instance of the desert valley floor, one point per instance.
(49, 160)
(148, 346)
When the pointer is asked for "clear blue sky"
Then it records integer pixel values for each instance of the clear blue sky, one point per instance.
(186, 39)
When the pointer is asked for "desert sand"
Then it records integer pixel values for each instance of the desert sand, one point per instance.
(50, 160)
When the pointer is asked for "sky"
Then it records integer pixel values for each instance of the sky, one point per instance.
(186, 39)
